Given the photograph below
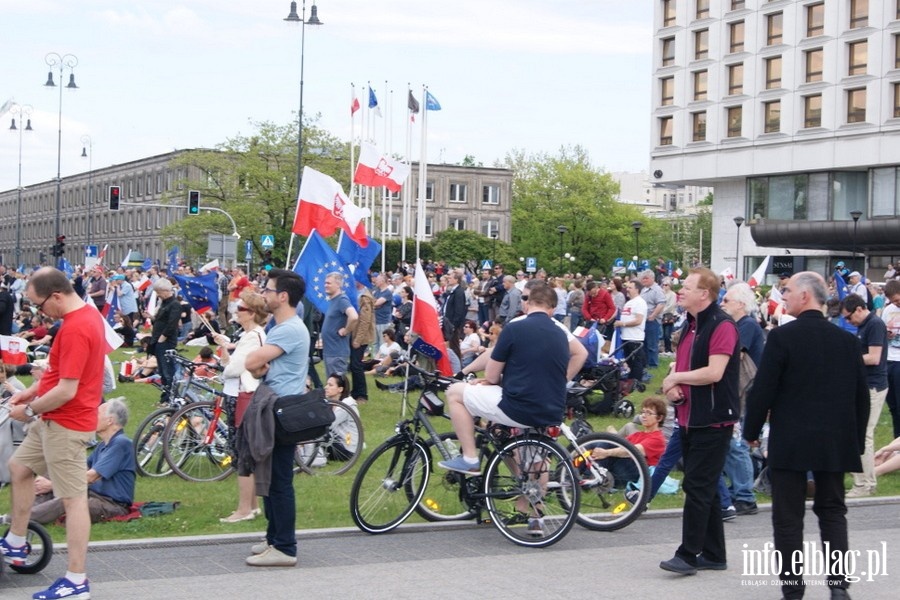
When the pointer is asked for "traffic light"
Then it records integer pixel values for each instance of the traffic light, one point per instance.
(59, 248)
(267, 260)
(193, 202)
(114, 197)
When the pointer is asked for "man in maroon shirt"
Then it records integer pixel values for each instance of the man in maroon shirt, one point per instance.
(598, 304)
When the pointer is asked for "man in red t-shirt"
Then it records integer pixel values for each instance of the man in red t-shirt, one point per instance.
(63, 407)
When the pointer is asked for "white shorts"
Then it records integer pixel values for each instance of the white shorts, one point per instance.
(484, 400)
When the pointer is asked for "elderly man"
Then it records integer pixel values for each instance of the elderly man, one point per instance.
(383, 298)
(339, 324)
(704, 390)
(482, 292)
(511, 305)
(110, 473)
(856, 286)
(811, 387)
(164, 334)
(655, 298)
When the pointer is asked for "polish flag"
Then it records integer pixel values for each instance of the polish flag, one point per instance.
(775, 299)
(425, 324)
(102, 254)
(759, 275)
(377, 170)
(354, 106)
(143, 283)
(323, 206)
(13, 350)
(728, 274)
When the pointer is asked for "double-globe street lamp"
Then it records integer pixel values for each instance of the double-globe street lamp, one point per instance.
(65, 61)
(23, 111)
(87, 151)
(561, 230)
(636, 225)
(855, 215)
(737, 248)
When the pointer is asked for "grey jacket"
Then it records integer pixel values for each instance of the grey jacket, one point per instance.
(255, 445)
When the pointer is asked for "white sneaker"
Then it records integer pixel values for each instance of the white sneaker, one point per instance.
(260, 547)
(272, 557)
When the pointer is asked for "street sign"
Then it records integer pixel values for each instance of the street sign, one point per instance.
(248, 250)
(90, 251)
(267, 241)
(486, 265)
(645, 264)
(632, 266)
(531, 264)
(619, 262)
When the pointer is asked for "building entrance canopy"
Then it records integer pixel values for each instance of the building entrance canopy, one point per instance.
(872, 236)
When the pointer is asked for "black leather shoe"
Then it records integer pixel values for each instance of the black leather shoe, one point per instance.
(382, 386)
(704, 564)
(676, 564)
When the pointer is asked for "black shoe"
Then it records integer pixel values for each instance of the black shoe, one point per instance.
(704, 564)
(382, 386)
(676, 564)
(745, 508)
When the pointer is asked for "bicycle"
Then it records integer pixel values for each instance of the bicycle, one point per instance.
(529, 486)
(338, 450)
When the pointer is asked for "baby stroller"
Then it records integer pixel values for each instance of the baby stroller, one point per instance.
(40, 545)
(603, 384)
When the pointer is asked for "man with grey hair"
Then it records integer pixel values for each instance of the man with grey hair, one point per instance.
(339, 323)
(511, 305)
(656, 303)
(164, 334)
(110, 473)
(811, 373)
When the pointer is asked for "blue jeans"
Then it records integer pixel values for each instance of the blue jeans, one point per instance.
(575, 319)
(164, 366)
(280, 504)
(651, 343)
(893, 395)
(739, 469)
(484, 313)
(666, 463)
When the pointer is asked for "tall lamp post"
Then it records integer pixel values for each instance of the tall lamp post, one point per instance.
(636, 225)
(561, 230)
(855, 214)
(87, 151)
(64, 61)
(494, 236)
(24, 114)
(737, 247)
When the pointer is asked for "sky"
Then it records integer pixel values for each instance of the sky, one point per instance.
(160, 75)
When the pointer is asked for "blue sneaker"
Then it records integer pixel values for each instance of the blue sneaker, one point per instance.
(13, 555)
(63, 588)
(461, 465)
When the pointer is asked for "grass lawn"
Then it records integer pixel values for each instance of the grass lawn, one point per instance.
(321, 501)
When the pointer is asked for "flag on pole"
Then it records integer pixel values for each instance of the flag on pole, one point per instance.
(323, 206)
(143, 283)
(413, 106)
(12, 350)
(376, 170)
(172, 259)
(431, 103)
(212, 265)
(113, 340)
(102, 255)
(357, 257)
(373, 101)
(354, 106)
(110, 308)
(125, 260)
(315, 262)
(759, 275)
(840, 285)
(425, 324)
(148, 262)
(728, 274)
(66, 267)
(201, 292)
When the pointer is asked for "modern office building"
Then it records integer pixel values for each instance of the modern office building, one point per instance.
(466, 198)
(659, 200)
(790, 109)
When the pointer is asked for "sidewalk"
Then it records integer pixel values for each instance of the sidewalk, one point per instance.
(459, 560)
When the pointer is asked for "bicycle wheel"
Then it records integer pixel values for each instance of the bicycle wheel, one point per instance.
(442, 500)
(40, 549)
(523, 485)
(604, 484)
(148, 443)
(388, 486)
(186, 449)
(338, 450)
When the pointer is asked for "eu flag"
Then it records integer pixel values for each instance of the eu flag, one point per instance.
(359, 258)
(172, 259)
(315, 262)
(201, 292)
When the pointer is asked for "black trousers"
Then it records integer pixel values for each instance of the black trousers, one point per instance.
(703, 450)
(358, 373)
(788, 509)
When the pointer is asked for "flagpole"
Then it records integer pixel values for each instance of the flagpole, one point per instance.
(423, 179)
(384, 195)
(352, 121)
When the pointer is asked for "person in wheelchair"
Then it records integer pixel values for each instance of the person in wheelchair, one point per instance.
(650, 443)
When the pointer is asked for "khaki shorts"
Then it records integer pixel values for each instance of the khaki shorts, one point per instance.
(484, 401)
(58, 453)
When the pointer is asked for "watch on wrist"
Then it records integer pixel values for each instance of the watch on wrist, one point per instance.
(29, 412)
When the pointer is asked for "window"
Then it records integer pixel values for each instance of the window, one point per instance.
(774, 29)
(698, 126)
(458, 193)
(773, 72)
(897, 48)
(490, 194)
(815, 19)
(394, 225)
(735, 79)
(736, 35)
(390, 196)
(735, 118)
(849, 191)
(458, 223)
(668, 13)
(783, 198)
(859, 13)
(702, 9)
(737, 4)
(665, 131)
(701, 44)
(856, 106)
(489, 227)
(772, 116)
(814, 65)
(858, 57)
(668, 52)
(700, 85)
(812, 111)
(897, 100)
(429, 226)
(429, 191)
(667, 91)
(884, 192)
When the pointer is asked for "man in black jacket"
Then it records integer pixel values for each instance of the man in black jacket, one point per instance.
(704, 390)
(811, 385)
(164, 335)
(454, 309)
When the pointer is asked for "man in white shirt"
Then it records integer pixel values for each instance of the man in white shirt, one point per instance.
(632, 323)
(856, 286)
(891, 317)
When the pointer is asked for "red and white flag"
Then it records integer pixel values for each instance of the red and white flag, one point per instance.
(425, 324)
(113, 339)
(727, 274)
(143, 283)
(102, 254)
(376, 170)
(13, 350)
(759, 275)
(354, 106)
(323, 206)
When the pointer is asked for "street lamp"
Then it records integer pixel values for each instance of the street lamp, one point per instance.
(636, 225)
(23, 112)
(737, 247)
(71, 61)
(87, 151)
(855, 214)
(561, 230)
(313, 20)
(494, 236)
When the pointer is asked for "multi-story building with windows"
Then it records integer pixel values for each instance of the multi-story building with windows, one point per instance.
(658, 200)
(791, 110)
(466, 198)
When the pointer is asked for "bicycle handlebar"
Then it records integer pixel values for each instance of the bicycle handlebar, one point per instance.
(186, 362)
(435, 376)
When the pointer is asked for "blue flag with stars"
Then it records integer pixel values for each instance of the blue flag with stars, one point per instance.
(201, 292)
(315, 262)
(840, 285)
(172, 259)
(359, 258)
